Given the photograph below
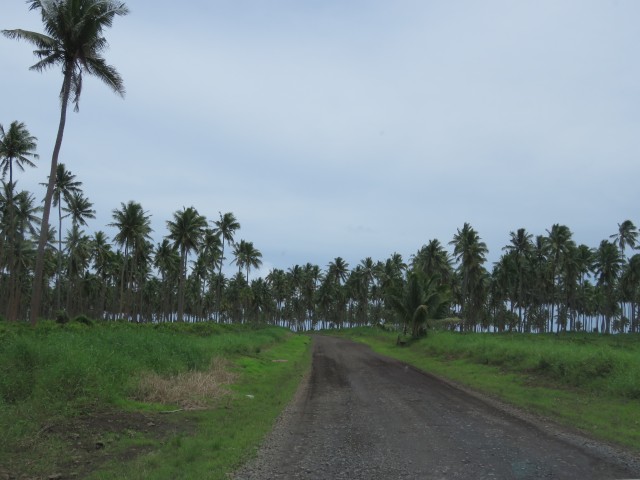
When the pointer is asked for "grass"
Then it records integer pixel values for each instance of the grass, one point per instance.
(64, 389)
(229, 435)
(587, 381)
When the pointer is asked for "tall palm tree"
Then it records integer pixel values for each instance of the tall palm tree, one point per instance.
(247, 257)
(520, 248)
(470, 253)
(226, 227)
(433, 259)
(74, 42)
(186, 230)
(167, 261)
(338, 270)
(78, 247)
(630, 286)
(211, 253)
(64, 187)
(607, 265)
(18, 221)
(134, 229)
(17, 146)
(79, 208)
(102, 257)
(559, 244)
(627, 236)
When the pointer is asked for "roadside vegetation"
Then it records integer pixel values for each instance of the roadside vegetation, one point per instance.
(120, 400)
(587, 381)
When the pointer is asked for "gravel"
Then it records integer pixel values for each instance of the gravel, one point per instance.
(359, 415)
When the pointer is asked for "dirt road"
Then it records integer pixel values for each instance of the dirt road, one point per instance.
(364, 416)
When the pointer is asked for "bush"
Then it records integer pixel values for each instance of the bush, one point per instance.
(62, 317)
(83, 319)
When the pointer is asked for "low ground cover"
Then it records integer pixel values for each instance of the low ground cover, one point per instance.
(587, 381)
(117, 400)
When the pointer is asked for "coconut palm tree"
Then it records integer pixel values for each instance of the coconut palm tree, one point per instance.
(247, 257)
(167, 261)
(75, 43)
(65, 186)
(520, 248)
(226, 228)
(423, 299)
(17, 146)
(470, 253)
(79, 208)
(186, 230)
(338, 270)
(433, 259)
(102, 258)
(279, 286)
(627, 236)
(18, 221)
(134, 231)
(630, 287)
(78, 248)
(559, 243)
(607, 265)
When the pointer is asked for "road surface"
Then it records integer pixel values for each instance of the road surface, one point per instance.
(360, 415)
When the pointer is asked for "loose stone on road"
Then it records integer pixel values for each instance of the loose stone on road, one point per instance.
(360, 415)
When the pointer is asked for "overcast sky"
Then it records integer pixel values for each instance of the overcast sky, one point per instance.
(352, 128)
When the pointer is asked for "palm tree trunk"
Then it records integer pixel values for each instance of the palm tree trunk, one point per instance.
(219, 295)
(36, 298)
(59, 271)
(183, 271)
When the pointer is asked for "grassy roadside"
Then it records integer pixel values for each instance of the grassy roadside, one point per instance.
(588, 382)
(229, 434)
(72, 405)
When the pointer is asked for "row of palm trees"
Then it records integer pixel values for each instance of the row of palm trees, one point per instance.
(540, 283)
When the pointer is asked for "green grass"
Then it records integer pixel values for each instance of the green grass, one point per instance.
(587, 381)
(228, 435)
(54, 374)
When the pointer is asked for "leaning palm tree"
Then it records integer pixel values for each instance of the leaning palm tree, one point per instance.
(186, 230)
(17, 146)
(74, 42)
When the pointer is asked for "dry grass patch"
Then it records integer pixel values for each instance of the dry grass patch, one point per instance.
(189, 390)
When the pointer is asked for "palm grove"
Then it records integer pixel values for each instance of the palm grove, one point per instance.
(540, 283)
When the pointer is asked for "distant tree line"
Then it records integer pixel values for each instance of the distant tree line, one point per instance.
(540, 284)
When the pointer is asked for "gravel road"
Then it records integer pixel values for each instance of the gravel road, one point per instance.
(360, 415)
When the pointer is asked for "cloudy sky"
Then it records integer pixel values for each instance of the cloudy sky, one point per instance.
(352, 128)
